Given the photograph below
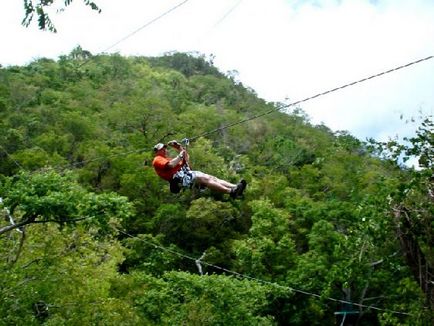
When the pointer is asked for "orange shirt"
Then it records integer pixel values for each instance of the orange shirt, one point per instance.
(162, 169)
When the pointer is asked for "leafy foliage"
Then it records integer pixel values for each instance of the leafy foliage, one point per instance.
(38, 8)
(62, 277)
(49, 197)
(411, 204)
(178, 298)
(90, 235)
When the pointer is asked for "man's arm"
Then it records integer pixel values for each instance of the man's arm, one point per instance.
(177, 146)
(182, 154)
(175, 161)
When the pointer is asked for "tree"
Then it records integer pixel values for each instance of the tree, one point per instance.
(39, 8)
(180, 298)
(62, 277)
(60, 270)
(34, 198)
(269, 251)
(410, 206)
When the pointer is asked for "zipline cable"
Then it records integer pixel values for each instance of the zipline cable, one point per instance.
(147, 24)
(312, 97)
(105, 157)
(139, 29)
(173, 252)
(227, 14)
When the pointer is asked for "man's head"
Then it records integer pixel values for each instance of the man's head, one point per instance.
(159, 148)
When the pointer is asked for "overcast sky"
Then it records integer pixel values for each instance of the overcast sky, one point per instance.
(284, 50)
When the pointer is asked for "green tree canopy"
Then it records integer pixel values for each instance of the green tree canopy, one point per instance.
(90, 234)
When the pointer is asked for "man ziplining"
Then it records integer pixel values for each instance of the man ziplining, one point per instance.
(178, 173)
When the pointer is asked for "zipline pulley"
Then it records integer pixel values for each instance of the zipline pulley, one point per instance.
(185, 141)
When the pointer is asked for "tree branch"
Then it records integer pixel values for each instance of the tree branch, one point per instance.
(20, 246)
(27, 222)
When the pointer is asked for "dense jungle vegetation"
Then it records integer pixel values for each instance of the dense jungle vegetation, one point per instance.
(89, 235)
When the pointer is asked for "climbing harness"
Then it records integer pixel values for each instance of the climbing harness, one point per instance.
(184, 177)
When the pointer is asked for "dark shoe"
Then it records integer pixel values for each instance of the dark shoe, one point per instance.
(238, 190)
(233, 193)
(243, 185)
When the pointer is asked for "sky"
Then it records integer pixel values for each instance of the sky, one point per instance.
(285, 50)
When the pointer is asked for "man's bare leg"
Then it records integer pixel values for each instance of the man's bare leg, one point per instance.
(214, 183)
(223, 182)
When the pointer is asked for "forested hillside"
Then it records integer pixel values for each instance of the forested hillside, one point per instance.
(331, 230)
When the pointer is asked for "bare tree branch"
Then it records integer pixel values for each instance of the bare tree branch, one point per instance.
(27, 222)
